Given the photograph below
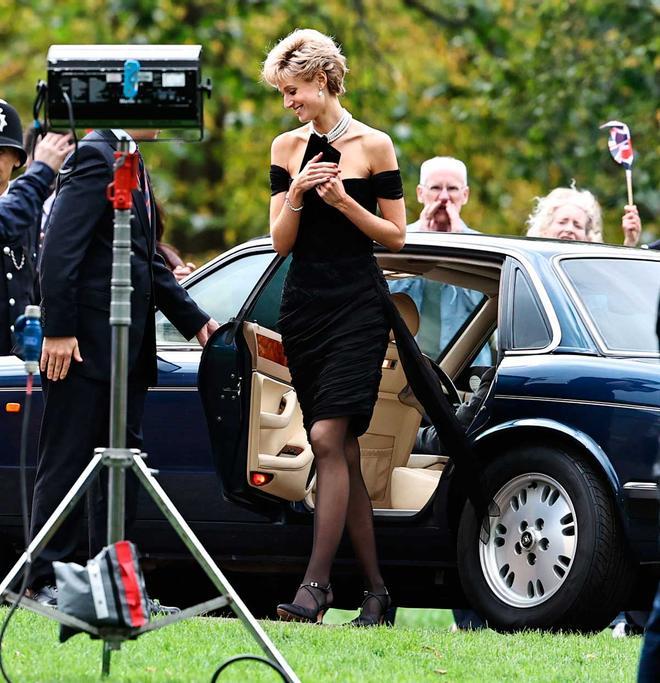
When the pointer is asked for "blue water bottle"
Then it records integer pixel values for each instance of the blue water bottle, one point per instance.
(27, 330)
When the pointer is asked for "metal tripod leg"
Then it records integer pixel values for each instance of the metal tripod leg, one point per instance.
(54, 521)
(206, 561)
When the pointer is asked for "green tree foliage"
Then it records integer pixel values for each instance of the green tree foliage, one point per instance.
(515, 88)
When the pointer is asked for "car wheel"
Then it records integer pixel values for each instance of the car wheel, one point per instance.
(556, 557)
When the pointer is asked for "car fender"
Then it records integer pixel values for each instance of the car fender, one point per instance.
(512, 430)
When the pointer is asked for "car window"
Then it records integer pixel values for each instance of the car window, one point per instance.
(621, 298)
(530, 330)
(266, 309)
(488, 353)
(221, 293)
(444, 311)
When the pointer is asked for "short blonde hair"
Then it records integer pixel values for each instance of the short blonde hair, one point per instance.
(302, 54)
(541, 217)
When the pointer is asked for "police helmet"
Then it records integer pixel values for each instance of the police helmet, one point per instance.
(11, 131)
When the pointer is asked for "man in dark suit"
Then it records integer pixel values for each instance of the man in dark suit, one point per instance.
(75, 271)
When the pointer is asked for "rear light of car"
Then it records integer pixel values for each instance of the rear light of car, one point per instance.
(260, 479)
(13, 407)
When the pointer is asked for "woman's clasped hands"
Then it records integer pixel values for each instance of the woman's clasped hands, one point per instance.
(332, 190)
(322, 175)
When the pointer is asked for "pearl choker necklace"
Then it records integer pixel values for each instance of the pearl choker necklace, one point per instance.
(338, 130)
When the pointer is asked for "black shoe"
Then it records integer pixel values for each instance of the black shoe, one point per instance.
(46, 595)
(290, 611)
(385, 603)
(158, 610)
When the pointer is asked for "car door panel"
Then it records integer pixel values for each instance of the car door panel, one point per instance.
(243, 380)
(277, 441)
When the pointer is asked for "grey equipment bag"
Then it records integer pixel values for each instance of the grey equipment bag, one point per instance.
(108, 591)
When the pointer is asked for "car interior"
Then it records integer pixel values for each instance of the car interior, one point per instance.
(399, 480)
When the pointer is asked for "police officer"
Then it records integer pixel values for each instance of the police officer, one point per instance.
(20, 213)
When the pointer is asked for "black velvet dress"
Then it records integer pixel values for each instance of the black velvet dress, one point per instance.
(333, 320)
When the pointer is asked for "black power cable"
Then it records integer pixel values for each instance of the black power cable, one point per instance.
(24, 513)
(254, 658)
(42, 128)
(39, 103)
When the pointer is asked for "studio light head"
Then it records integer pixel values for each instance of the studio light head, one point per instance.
(125, 86)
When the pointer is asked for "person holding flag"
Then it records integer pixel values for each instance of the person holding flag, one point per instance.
(567, 213)
(621, 149)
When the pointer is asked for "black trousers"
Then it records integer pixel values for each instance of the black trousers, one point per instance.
(75, 422)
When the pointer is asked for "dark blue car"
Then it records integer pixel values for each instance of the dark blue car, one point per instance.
(567, 432)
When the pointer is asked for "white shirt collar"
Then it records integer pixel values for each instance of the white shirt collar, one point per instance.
(120, 133)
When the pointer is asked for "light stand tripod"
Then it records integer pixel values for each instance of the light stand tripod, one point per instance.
(117, 458)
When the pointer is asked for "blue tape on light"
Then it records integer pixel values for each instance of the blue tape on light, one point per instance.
(131, 71)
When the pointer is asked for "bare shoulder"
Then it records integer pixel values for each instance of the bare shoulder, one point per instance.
(285, 144)
(378, 149)
(280, 149)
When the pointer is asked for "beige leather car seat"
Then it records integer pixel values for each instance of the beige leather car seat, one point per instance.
(393, 428)
(407, 310)
(412, 487)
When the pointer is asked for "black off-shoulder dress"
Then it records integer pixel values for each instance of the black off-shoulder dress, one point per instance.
(333, 319)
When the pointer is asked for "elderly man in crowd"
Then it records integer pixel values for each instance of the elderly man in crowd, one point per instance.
(443, 191)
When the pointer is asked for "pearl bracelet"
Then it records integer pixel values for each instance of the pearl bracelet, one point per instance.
(290, 205)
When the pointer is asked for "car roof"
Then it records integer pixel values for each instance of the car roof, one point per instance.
(543, 247)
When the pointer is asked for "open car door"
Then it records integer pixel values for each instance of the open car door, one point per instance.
(255, 422)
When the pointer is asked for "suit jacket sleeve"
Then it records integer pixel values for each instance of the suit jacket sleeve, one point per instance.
(79, 205)
(173, 300)
(20, 208)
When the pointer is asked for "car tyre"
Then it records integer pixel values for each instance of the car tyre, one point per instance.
(556, 557)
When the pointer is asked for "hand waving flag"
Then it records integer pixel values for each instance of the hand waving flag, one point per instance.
(619, 143)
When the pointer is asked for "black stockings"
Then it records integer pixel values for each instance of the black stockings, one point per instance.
(341, 500)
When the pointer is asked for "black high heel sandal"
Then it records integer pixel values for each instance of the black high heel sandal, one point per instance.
(385, 602)
(290, 611)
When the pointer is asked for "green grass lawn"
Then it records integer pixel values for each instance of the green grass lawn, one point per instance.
(419, 648)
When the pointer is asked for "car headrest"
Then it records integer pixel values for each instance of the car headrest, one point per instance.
(408, 311)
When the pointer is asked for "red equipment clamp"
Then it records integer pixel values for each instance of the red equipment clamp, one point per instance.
(125, 180)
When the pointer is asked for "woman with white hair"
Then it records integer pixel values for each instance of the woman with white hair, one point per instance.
(328, 178)
(567, 213)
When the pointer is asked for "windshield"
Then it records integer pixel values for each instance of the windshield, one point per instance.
(622, 299)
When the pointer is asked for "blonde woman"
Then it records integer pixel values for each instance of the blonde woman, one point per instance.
(565, 214)
(328, 178)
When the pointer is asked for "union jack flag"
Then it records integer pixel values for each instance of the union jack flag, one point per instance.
(620, 143)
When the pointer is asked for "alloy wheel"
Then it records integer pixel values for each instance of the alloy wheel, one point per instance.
(532, 543)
